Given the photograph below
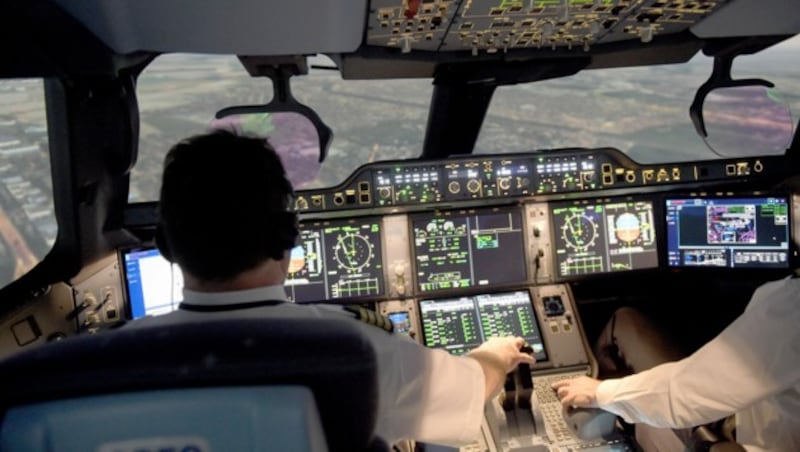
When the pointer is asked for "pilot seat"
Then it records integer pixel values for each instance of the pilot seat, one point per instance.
(225, 384)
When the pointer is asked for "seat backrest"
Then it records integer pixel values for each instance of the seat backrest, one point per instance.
(328, 356)
(253, 418)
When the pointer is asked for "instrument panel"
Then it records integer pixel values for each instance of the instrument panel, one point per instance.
(397, 233)
(476, 225)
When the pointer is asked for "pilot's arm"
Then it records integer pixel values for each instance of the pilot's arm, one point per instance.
(431, 396)
(753, 358)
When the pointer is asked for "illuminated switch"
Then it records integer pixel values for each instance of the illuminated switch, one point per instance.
(662, 175)
(743, 169)
(554, 327)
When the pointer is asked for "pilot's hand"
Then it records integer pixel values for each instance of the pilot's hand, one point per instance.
(505, 352)
(497, 357)
(577, 392)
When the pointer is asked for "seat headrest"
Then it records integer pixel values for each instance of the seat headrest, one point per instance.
(330, 356)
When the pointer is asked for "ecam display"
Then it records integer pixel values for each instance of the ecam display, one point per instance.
(460, 324)
(459, 250)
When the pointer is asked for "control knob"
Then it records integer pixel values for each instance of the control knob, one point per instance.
(504, 183)
(454, 187)
(474, 185)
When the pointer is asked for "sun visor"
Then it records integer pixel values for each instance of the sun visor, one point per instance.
(243, 27)
(751, 18)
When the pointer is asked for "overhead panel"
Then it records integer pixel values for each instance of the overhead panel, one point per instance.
(492, 26)
(418, 25)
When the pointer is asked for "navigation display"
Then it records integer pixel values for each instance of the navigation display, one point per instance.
(604, 237)
(153, 286)
(728, 232)
(454, 250)
(336, 259)
(460, 324)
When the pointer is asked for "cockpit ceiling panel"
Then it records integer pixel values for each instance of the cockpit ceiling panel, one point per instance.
(493, 26)
(243, 27)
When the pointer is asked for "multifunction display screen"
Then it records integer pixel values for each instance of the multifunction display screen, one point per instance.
(728, 232)
(336, 259)
(604, 237)
(460, 324)
(454, 250)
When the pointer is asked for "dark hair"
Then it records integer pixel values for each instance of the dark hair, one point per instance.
(224, 205)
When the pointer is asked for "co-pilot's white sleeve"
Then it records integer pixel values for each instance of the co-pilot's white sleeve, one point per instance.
(427, 395)
(753, 358)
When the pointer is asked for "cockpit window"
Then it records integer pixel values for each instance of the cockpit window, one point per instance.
(178, 96)
(779, 64)
(643, 111)
(371, 120)
(28, 226)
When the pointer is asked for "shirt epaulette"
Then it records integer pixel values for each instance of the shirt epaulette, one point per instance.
(371, 317)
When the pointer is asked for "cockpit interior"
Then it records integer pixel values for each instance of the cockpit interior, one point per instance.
(459, 219)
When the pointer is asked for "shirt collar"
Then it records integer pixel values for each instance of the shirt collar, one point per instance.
(276, 293)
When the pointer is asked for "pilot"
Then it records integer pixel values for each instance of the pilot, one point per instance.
(224, 220)
(751, 369)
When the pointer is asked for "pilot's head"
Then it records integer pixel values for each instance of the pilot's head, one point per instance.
(224, 206)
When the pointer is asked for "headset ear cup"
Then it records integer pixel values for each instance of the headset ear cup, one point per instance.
(163, 244)
(293, 231)
(288, 230)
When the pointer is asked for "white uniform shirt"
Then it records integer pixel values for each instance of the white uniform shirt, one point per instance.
(423, 394)
(752, 369)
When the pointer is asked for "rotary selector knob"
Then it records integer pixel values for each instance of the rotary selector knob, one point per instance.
(454, 187)
(504, 183)
(474, 185)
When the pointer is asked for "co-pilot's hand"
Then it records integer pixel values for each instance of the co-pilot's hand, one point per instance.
(577, 392)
